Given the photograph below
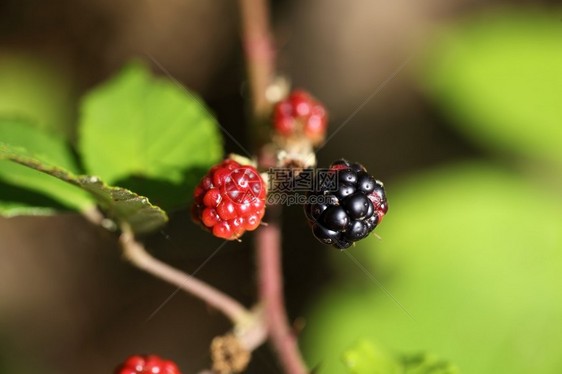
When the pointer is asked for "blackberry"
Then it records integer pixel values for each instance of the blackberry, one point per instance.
(358, 206)
(347, 206)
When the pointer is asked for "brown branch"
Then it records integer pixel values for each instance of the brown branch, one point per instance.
(259, 52)
(260, 66)
(136, 254)
(271, 293)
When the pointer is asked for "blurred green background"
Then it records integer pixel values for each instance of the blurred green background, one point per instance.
(467, 138)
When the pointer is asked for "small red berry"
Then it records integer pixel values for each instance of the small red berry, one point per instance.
(300, 115)
(230, 200)
(147, 364)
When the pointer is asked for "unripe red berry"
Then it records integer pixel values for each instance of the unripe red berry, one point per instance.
(230, 200)
(300, 115)
(147, 364)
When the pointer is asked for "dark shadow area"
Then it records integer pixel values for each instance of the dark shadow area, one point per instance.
(21, 195)
(164, 193)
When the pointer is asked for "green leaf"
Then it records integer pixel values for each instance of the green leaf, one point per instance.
(424, 363)
(368, 358)
(123, 206)
(120, 204)
(38, 88)
(499, 78)
(49, 148)
(137, 127)
(365, 357)
(474, 254)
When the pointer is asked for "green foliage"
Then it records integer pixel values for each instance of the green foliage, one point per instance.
(427, 364)
(121, 205)
(365, 357)
(136, 127)
(38, 89)
(368, 358)
(474, 254)
(47, 147)
(499, 77)
(136, 130)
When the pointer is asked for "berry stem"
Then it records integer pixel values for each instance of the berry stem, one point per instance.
(259, 52)
(271, 293)
(137, 254)
(260, 66)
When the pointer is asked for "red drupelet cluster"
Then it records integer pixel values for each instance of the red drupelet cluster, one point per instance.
(147, 364)
(230, 200)
(300, 114)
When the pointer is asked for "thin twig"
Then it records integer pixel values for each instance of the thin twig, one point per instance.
(260, 66)
(259, 52)
(137, 254)
(271, 294)
(254, 333)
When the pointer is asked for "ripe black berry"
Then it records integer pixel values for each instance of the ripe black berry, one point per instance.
(314, 211)
(358, 167)
(323, 234)
(347, 176)
(372, 222)
(344, 190)
(350, 212)
(357, 230)
(365, 183)
(357, 205)
(335, 218)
